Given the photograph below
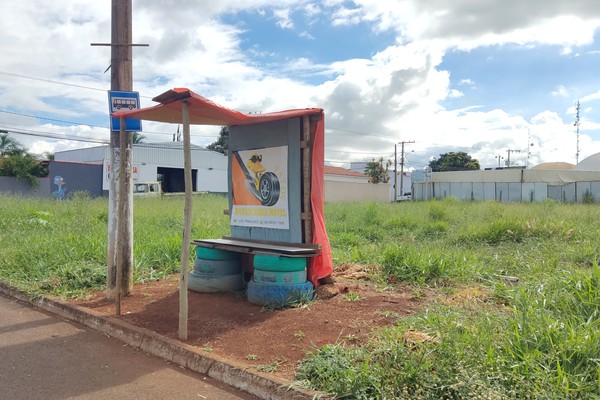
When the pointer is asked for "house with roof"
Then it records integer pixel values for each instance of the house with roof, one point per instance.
(344, 185)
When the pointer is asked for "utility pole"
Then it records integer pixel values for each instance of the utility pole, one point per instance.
(120, 218)
(577, 127)
(508, 158)
(121, 78)
(395, 172)
(499, 157)
(402, 167)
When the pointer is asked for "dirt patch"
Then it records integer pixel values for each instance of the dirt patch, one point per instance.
(270, 340)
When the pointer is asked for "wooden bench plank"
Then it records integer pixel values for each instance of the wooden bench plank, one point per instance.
(260, 247)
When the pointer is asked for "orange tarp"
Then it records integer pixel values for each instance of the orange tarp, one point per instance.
(205, 112)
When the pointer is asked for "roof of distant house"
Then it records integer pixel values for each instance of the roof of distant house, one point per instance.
(329, 170)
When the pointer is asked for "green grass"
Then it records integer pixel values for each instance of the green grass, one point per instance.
(536, 339)
(532, 339)
(59, 247)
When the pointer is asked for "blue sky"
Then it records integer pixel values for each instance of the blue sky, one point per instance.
(480, 77)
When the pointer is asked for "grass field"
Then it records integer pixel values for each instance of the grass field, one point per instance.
(519, 287)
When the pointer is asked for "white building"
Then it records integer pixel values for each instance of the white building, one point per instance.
(161, 162)
(560, 181)
(403, 179)
(344, 185)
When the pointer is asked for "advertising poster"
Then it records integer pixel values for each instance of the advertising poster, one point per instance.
(259, 182)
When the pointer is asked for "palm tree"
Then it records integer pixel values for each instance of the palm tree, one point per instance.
(10, 146)
(138, 138)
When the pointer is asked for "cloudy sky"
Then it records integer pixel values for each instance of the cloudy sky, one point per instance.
(489, 77)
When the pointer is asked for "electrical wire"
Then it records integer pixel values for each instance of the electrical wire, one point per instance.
(93, 140)
(33, 78)
(95, 126)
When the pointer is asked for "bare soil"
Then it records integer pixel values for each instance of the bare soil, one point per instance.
(270, 340)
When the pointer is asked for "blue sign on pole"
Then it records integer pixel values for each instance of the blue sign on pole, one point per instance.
(122, 101)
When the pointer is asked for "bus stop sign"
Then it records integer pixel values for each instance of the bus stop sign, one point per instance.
(122, 101)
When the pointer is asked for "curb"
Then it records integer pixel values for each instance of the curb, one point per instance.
(230, 373)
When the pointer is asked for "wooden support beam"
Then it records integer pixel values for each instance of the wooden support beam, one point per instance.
(187, 224)
(306, 179)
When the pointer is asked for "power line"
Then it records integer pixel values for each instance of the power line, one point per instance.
(356, 152)
(48, 135)
(50, 81)
(358, 133)
(33, 78)
(95, 126)
(52, 119)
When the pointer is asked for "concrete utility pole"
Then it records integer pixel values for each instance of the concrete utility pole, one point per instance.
(395, 172)
(499, 157)
(402, 167)
(508, 157)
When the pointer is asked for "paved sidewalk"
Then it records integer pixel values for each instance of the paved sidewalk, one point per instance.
(43, 356)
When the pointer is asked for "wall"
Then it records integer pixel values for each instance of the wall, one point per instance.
(509, 186)
(75, 177)
(14, 186)
(336, 191)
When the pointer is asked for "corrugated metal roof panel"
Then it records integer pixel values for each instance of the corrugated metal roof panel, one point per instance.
(170, 155)
(88, 154)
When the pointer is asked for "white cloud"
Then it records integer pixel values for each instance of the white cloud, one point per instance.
(370, 102)
(283, 18)
(466, 82)
(561, 91)
(346, 16)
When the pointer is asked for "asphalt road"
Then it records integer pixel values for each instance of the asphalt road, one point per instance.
(48, 358)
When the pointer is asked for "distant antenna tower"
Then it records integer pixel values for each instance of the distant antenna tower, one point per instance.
(529, 144)
(577, 127)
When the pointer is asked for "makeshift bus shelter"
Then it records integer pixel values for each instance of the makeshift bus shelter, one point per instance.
(294, 142)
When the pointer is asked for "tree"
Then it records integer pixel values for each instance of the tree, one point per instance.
(222, 143)
(138, 138)
(10, 146)
(17, 162)
(454, 161)
(22, 166)
(377, 171)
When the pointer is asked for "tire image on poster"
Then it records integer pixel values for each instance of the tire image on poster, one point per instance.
(269, 189)
(259, 188)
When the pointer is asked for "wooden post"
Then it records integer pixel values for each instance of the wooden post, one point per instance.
(121, 79)
(306, 179)
(187, 223)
